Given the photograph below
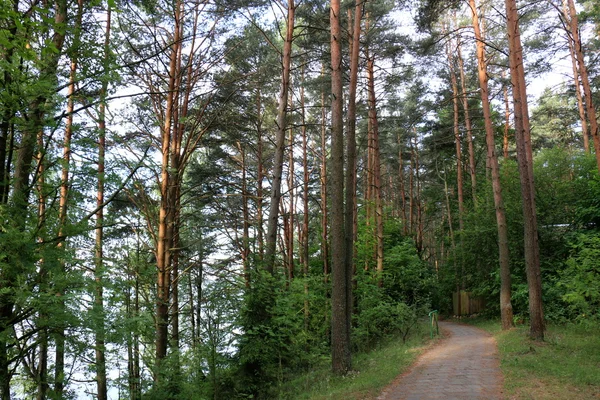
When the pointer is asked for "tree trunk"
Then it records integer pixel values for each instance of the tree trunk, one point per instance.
(280, 142)
(101, 382)
(376, 166)
(506, 119)
(245, 248)
(340, 346)
(503, 251)
(324, 194)
(292, 210)
(259, 177)
(465, 104)
(525, 161)
(166, 210)
(585, 82)
(306, 210)
(402, 187)
(457, 141)
(350, 206)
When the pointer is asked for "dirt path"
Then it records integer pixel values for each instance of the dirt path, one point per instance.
(463, 366)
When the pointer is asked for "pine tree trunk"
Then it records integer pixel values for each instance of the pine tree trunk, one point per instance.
(245, 251)
(280, 142)
(419, 233)
(525, 162)
(457, 140)
(585, 82)
(167, 207)
(503, 250)
(306, 210)
(340, 346)
(292, 210)
(350, 213)
(375, 164)
(260, 177)
(506, 119)
(324, 194)
(465, 104)
(101, 382)
(402, 194)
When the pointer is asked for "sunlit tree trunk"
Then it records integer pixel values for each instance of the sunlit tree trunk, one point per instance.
(166, 209)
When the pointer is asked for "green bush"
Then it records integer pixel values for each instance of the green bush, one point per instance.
(581, 277)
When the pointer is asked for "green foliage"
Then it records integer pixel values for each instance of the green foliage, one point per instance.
(389, 305)
(407, 278)
(581, 277)
(275, 341)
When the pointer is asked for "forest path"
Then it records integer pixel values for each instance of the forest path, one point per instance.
(462, 366)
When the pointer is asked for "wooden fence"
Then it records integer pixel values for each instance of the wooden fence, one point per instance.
(464, 303)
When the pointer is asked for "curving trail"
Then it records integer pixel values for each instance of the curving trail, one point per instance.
(463, 366)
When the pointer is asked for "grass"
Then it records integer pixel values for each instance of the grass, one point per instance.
(566, 365)
(372, 372)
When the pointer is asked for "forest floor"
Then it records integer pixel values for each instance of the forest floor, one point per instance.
(464, 365)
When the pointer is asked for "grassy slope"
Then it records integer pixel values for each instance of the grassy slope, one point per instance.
(373, 371)
(565, 366)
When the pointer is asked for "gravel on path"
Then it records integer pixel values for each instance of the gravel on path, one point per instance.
(463, 366)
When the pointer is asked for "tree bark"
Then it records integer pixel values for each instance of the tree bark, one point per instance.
(245, 251)
(260, 177)
(306, 210)
(351, 184)
(166, 210)
(465, 104)
(292, 195)
(457, 140)
(506, 311)
(506, 119)
(280, 142)
(340, 346)
(324, 194)
(525, 162)
(585, 82)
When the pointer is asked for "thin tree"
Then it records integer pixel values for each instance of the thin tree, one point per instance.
(468, 125)
(577, 48)
(282, 110)
(100, 347)
(374, 158)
